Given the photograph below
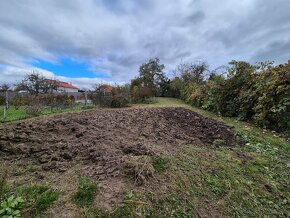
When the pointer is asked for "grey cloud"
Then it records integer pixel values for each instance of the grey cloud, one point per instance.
(116, 36)
(277, 51)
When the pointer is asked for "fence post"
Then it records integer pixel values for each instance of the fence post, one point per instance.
(6, 101)
(6, 104)
(86, 98)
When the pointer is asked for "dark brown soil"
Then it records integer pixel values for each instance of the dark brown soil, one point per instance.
(100, 142)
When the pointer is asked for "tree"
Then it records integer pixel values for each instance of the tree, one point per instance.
(190, 72)
(151, 75)
(35, 84)
(4, 87)
(176, 85)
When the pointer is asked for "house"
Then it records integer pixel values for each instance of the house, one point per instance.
(65, 87)
(106, 89)
(60, 86)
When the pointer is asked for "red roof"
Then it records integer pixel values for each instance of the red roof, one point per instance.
(106, 88)
(61, 84)
(65, 85)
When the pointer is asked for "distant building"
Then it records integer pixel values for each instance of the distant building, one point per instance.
(60, 86)
(106, 88)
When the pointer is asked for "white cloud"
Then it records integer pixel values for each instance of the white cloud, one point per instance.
(115, 37)
(14, 75)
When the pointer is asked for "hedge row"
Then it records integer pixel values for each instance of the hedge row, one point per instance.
(259, 93)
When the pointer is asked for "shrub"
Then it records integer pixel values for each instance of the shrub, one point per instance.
(119, 101)
(101, 99)
(63, 101)
(259, 93)
(140, 94)
(117, 98)
(19, 100)
(273, 104)
(33, 109)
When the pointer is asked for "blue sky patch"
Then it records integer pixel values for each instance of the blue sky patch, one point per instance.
(69, 68)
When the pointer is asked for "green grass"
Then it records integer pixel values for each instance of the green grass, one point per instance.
(160, 163)
(20, 114)
(38, 197)
(84, 197)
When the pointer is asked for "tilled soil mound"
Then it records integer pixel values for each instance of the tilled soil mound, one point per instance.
(103, 136)
(103, 141)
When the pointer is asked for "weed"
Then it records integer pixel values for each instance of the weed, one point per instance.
(84, 197)
(219, 143)
(129, 195)
(39, 197)
(215, 184)
(160, 163)
(10, 208)
(132, 206)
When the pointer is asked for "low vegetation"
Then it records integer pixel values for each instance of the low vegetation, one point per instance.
(25, 112)
(84, 197)
(11, 207)
(38, 197)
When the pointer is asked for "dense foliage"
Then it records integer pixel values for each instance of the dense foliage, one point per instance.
(259, 93)
(150, 82)
(115, 97)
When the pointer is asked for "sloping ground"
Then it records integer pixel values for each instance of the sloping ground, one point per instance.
(162, 162)
(109, 146)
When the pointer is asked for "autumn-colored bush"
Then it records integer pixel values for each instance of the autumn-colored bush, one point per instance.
(34, 106)
(258, 93)
(273, 103)
(140, 94)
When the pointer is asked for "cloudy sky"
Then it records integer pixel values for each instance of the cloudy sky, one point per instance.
(88, 41)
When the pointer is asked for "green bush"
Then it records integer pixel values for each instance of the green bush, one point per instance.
(258, 93)
(118, 97)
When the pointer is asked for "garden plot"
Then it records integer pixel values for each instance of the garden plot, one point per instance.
(114, 147)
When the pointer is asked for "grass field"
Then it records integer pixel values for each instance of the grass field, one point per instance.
(248, 181)
(20, 114)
